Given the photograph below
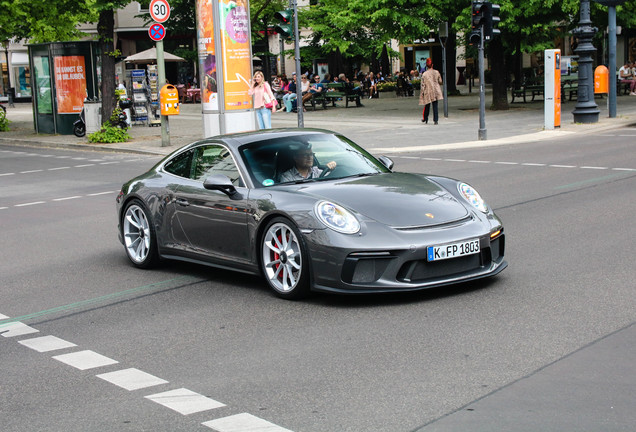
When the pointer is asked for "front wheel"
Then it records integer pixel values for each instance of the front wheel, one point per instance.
(284, 260)
(140, 239)
(79, 130)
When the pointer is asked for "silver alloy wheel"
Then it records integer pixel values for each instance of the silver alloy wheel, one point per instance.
(137, 234)
(282, 258)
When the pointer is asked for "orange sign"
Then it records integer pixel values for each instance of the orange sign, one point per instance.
(70, 84)
(207, 58)
(237, 67)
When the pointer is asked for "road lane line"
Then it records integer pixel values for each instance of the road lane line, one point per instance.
(132, 379)
(67, 198)
(7, 174)
(102, 193)
(77, 305)
(31, 171)
(86, 359)
(243, 423)
(30, 204)
(46, 343)
(185, 401)
(83, 166)
(58, 168)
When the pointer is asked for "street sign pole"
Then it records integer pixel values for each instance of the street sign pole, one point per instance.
(161, 72)
(160, 12)
(482, 88)
(299, 91)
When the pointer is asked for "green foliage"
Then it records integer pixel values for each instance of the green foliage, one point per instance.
(4, 122)
(109, 134)
(386, 86)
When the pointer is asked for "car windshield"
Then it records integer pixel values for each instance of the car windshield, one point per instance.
(311, 157)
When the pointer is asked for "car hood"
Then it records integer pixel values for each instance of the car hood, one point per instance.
(395, 199)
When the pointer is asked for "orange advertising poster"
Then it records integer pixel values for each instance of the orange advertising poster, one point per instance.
(70, 84)
(237, 67)
(207, 58)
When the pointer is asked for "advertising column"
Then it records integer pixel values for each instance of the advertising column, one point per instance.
(552, 89)
(225, 67)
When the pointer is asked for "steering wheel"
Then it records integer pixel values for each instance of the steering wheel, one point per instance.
(325, 172)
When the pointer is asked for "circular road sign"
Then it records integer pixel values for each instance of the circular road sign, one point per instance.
(157, 32)
(160, 10)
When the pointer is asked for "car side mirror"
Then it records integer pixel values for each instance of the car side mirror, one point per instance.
(386, 161)
(222, 183)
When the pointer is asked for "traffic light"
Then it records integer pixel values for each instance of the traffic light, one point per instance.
(491, 19)
(284, 26)
(474, 38)
(477, 15)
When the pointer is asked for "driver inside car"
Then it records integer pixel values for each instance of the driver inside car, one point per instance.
(304, 168)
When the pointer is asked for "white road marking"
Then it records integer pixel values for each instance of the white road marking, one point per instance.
(58, 168)
(7, 174)
(83, 166)
(185, 401)
(530, 164)
(16, 329)
(132, 379)
(67, 198)
(102, 193)
(30, 204)
(83, 360)
(243, 423)
(31, 171)
(46, 343)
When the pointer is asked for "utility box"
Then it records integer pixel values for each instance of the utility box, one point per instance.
(169, 100)
(552, 88)
(601, 80)
(92, 115)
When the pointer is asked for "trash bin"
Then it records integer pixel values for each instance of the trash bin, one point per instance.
(601, 79)
(93, 116)
(169, 100)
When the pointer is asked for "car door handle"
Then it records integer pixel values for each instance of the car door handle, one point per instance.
(182, 202)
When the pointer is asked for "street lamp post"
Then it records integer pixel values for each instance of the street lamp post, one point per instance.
(611, 42)
(586, 109)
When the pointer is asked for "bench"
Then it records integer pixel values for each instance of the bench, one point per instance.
(317, 98)
(337, 91)
(533, 89)
(571, 88)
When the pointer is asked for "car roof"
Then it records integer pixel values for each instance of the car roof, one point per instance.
(236, 140)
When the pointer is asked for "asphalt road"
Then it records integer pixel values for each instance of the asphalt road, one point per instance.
(543, 346)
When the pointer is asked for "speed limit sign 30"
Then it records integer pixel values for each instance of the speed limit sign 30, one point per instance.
(159, 10)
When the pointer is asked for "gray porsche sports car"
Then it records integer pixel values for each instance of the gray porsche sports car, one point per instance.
(309, 210)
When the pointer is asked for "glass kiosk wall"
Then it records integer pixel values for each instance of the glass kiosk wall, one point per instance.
(64, 74)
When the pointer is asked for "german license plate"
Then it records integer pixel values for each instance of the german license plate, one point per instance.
(453, 250)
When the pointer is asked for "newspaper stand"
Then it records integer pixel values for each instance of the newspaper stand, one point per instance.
(139, 97)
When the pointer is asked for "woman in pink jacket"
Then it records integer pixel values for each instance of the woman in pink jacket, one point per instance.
(430, 91)
(264, 100)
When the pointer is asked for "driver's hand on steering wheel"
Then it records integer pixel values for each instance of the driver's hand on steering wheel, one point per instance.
(331, 165)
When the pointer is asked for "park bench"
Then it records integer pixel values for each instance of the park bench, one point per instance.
(337, 91)
(531, 87)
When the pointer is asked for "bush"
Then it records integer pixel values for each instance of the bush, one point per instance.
(386, 86)
(4, 122)
(109, 134)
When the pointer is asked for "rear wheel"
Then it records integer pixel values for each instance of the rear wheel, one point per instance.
(140, 239)
(284, 260)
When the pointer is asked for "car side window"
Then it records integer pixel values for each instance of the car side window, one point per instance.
(215, 159)
(180, 165)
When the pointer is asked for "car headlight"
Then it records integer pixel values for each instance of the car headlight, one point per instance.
(337, 218)
(473, 197)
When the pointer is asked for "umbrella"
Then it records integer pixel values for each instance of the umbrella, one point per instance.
(150, 56)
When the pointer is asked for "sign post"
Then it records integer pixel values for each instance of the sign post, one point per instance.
(160, 12)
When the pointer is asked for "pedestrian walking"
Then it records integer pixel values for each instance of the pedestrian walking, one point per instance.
(264, 100)
(430, 91)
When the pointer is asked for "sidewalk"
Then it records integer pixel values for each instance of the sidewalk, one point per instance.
(385, 124)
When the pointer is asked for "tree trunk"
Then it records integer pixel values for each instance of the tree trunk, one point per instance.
(105, 29)
(496, 58)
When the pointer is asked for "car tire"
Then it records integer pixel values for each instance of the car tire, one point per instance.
(284, 260)
(138, 232)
